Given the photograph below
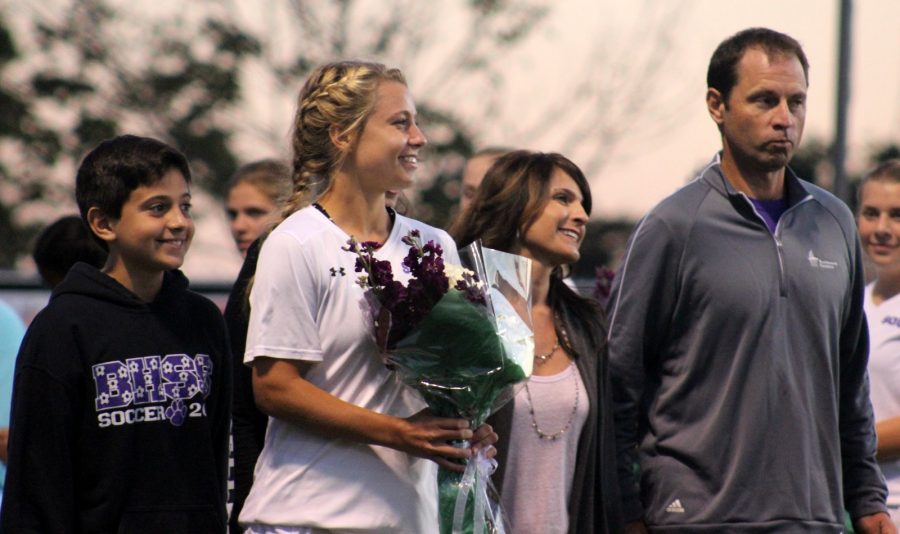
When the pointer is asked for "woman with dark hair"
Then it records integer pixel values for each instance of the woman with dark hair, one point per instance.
(537, 205)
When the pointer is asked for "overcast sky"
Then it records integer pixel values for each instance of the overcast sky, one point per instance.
(608, 41)
(647, 167)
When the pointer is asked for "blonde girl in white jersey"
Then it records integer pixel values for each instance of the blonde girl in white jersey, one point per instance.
(347, 446)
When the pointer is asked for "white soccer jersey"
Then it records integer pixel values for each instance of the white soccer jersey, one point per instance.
(884, 374)
(307, 306)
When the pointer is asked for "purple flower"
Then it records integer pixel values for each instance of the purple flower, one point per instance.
(473, 293)
(380, 273)
(392, 294)
(432, 248)
(411, 261)
(603, 283)
(409, 304)
(411, 239)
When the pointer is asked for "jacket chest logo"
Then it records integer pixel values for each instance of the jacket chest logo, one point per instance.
(818, 263)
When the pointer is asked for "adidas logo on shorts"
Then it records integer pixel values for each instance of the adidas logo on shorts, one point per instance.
(675, 507)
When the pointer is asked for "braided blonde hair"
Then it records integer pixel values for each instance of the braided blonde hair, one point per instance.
(338, 94)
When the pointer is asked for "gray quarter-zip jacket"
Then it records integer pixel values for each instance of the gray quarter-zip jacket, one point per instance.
(738, 364)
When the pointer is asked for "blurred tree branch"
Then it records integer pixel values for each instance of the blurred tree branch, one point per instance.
(75, 72)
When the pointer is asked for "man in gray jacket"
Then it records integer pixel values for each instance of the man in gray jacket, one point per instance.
(738, 343)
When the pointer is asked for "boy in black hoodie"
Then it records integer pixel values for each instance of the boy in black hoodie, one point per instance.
(121, 399)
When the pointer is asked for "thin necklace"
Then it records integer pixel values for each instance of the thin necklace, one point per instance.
(391, 213)
(321, 209)
(534, 424)
(541, 359)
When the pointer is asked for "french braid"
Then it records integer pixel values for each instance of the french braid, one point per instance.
(339, 94)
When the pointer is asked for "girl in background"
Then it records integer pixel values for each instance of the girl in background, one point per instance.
(255, 193)
(879, 230)
(537, 205)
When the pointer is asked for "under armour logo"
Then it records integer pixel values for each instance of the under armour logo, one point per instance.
(338, 271)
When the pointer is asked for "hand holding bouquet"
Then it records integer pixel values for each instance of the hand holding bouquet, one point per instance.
(463, 339)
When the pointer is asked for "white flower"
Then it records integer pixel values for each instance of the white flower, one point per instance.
(455, 273)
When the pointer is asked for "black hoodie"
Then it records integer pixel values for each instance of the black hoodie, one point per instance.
(120, 412)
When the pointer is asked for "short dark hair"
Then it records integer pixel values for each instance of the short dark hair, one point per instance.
(61, 245)
(886, 171)
(118, 166)
(722, 72)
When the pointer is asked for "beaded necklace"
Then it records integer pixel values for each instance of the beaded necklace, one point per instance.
(540, 359)
(534, 424)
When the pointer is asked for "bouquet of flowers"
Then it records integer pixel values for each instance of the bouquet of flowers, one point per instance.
(461, 337)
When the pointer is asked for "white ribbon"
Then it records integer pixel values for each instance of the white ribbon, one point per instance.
(476, 480)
